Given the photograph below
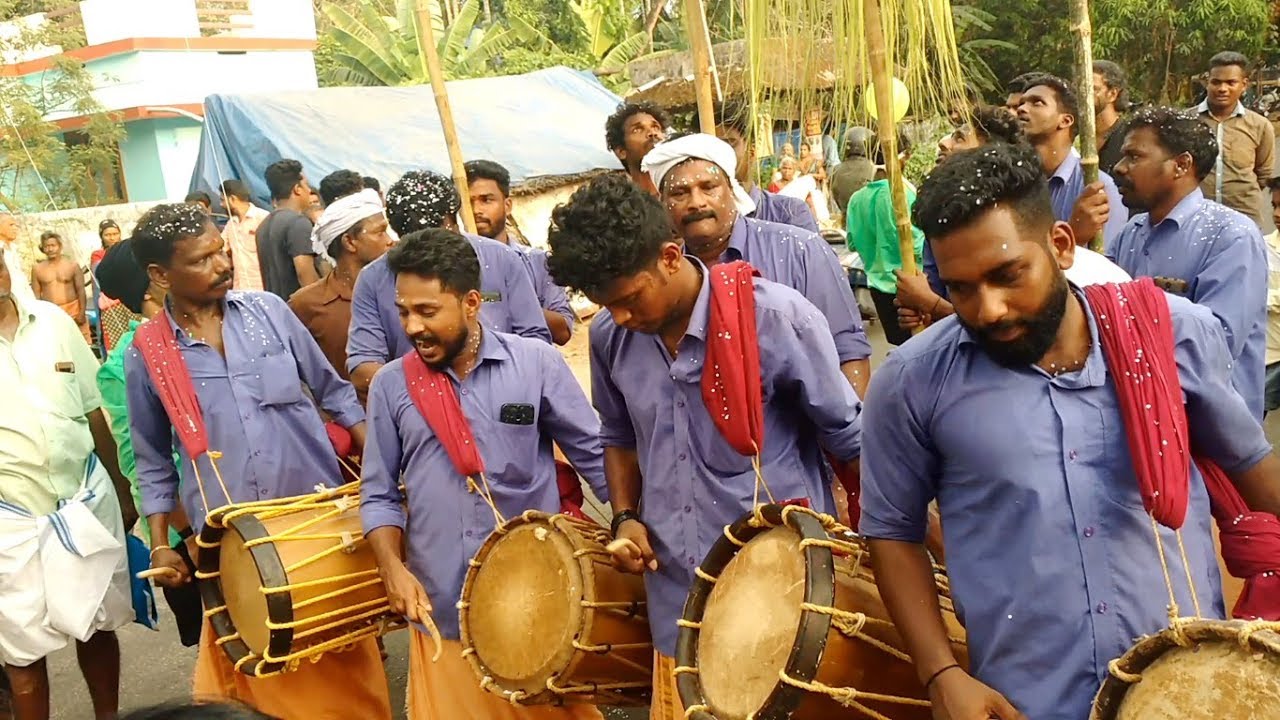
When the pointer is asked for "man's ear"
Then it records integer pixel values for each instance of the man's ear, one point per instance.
(1062, 244)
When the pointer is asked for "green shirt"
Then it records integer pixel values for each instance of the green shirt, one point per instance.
(111, 385)
(872, 233)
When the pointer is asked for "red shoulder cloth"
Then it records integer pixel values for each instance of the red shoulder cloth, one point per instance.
(167, 369)
(437, 401)
(1136, 334)
(731, 387)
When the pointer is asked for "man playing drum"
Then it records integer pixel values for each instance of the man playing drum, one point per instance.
(246, 358)
(1008, 416)
(464, 390)
(674, 480)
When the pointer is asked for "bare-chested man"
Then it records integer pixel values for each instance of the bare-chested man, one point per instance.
(60, 280)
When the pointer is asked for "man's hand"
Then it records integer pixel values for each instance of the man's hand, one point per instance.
(1090, 213)
(405, 593)
(957, 695)
(81, 319)
(631, 550)
(169, 559)
(909, 319)
(914, 292)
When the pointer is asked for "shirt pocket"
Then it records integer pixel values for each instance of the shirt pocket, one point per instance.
(61, 393)
(277, 381)
(510, 451)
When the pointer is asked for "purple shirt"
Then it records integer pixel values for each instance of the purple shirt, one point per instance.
(1222, 257)
(1067, 183)
(550, 295)
(445, 524)
(511, 305)
(781, 209)
(272, 440)
(803, 261)
(1051, 557)
(695, 483)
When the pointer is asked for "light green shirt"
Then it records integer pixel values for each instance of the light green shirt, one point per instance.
(871, 232)
(47, 376)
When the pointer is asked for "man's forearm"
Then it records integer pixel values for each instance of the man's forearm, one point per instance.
(1259, 486)
(558, 324)
(904, 576)
(362, 377)
(622, 474)
(858, 373)
(159, 524)
(387, 545)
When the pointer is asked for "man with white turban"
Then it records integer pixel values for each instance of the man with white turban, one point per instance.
(709, 209)
(352, 232)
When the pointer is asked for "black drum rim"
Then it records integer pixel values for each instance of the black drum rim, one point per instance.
(811, 637)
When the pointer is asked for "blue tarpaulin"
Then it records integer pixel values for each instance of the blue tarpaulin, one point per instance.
(545, 123)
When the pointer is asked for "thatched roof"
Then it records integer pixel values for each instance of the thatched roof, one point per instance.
(794, 64)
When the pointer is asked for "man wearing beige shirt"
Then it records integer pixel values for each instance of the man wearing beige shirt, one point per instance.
(240, 235)
(58, 469)
(1246, 140)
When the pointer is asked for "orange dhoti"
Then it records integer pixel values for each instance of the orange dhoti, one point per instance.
(74, 308)
(449, 690)
(339, 686)
(666, 703)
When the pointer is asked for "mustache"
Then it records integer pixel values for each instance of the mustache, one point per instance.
(694, 217)
(223, 279)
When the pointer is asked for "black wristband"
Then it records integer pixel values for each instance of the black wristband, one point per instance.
(622, 517)
(186, 533)
(938, 674)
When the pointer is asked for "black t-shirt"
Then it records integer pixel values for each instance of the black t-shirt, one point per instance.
(1109, 152)
(282, 236)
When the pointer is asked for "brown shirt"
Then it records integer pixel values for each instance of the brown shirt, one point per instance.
(324, 307)
(1247, 147)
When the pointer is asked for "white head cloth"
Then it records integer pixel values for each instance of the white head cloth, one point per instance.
(342, 215)
(665, 156)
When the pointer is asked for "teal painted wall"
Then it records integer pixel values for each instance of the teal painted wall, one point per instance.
(178, 144)
(140, 161)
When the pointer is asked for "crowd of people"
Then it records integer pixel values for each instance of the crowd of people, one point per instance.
(729, 347)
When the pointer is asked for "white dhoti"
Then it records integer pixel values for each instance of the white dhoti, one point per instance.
(65, 575)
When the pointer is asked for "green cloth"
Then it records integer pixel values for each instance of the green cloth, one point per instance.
(872, 233)
(111, 385)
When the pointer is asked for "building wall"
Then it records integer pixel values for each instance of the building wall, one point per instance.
(140, 162)
(178, 144)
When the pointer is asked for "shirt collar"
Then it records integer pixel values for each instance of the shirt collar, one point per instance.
(1184, 210)
(737, 240)
(701, 312)
(334, 290)
(1068, 167)
(178, 333)
(493, 347)
(1094, 372)
(26, 313)
(1203, 108)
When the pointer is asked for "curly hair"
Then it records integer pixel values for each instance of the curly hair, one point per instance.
(161, 227)
(616, 124)
(970, 183)
(609, 229)
(489, 170)
(421, 199)
(437, 254)
(1068, 101)
(1018, 84)
(1179, 131)
(339, 184)
(1116, 79)
(734, 115)
(996, 124)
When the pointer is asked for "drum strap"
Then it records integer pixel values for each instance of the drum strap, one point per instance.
(435, 398)
(1136, 334)
(731, 383)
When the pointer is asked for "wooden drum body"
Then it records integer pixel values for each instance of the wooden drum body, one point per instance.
(785, 621)
(546, 618)
(290, 579)
(1200, 670)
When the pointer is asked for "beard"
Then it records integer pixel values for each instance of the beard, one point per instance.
(450, 348)
(1041, 329)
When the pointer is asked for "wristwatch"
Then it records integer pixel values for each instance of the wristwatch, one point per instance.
(622, 517)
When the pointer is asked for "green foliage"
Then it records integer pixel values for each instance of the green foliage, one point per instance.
(33, 155)
(1163, 43)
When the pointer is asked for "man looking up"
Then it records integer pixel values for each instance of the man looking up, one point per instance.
(285, 254)
(709, 210)
(631, 132)
(1048, 113)
(490, 189)
(1246, 140)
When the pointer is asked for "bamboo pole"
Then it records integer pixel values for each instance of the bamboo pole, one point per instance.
(883, 82)
(430, 58)
(696, 26)
(1082, 27)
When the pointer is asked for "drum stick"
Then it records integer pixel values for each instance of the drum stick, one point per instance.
(425, 614)
(156, 572)
(621, 543)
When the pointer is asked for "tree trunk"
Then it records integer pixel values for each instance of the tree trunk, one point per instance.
(1082, 28)
(651, 22)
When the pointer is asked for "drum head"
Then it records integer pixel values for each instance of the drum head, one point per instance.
(526, 606)
(1213, 679)
(242, 584)
(762, 588)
